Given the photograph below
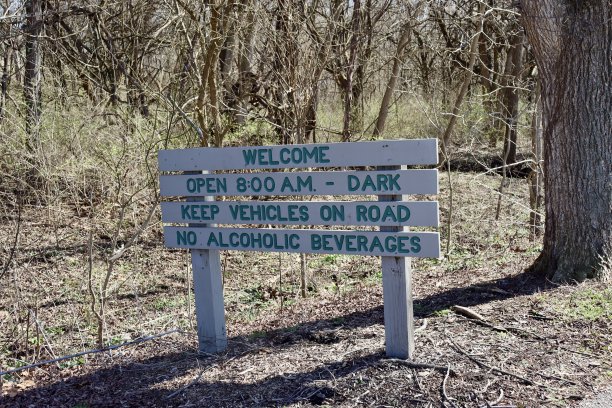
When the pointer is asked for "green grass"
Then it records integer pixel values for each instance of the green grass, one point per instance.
(590, 304)
(169, 303)
(442, 313)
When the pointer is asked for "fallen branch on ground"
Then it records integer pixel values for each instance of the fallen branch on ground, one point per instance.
(95, 351)
(467, 312)
(498, 370)
(444, 394)
(412, 364)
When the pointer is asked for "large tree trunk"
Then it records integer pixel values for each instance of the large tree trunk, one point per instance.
(572, 43)
(33, 71)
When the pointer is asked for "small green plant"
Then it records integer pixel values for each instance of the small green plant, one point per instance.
(169, 303)
(330, 259)
(57, 330)
(590, 305)
(442, 313)
(255, 295)
(73, 362)
(258, 334)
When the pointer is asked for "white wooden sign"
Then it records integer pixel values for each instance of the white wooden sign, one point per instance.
(379, 153)
(302, 183)
(392, 213)
(416, 244)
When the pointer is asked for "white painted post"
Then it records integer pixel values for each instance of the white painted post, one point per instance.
(208, 293)
(397, 296)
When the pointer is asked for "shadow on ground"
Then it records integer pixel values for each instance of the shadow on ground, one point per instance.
(138, 383)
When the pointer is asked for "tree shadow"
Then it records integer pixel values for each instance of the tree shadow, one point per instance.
(139, 383)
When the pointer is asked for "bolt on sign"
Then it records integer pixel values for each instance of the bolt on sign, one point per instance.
(190, 173)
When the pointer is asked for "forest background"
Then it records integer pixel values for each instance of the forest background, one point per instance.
(91, 90)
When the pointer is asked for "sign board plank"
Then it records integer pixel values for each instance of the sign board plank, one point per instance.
(406, 213)
(386, 152)
(302, 183)
(397, 244)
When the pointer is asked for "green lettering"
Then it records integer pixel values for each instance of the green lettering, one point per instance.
(214, 210)
(403, 213)
(194, 213)
(389, 214)
(294, 241)
(376, 244)
(368, 183)
(271, 158)
(361, 213)
(298, 159)
(181, 237)
(415, 244)
(402, 245)
(326, 242)
(350, 243)
(234, 211)
(393, 184)
(222, 185)
(249, 156)
(374, 213)
(307, 184)
(353, 182)
(390, 244)
(322, 153)
(315, 242)
(292, 210)
(285, 155)
(212, 239)
(381, 181)
(338, 212)
(362, 243)
(287, 186)
(185, 212)
(261, 156)
(191, 185)
(312, 154)
(279, 213)
(304, 216)
(339, 241)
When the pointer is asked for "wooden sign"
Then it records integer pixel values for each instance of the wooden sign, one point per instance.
(302, 183)
(392, 214)
(409, 213)
(416, 244)
(379, 153)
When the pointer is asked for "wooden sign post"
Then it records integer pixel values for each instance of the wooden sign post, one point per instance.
(392, 213)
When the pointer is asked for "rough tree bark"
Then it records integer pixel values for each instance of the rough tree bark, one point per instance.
(572, 43)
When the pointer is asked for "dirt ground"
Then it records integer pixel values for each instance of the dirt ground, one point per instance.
(537, 344)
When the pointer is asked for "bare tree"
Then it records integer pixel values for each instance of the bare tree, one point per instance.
(510, 96)
(32, 86)
(399, 56)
